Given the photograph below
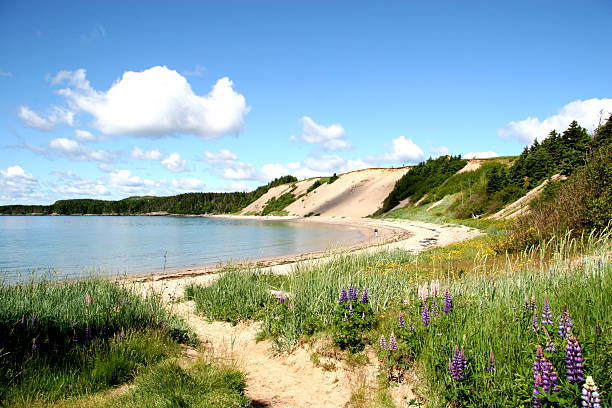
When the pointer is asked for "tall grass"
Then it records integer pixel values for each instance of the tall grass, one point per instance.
(64, 338)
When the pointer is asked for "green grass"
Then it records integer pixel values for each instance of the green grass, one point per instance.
(57, 345)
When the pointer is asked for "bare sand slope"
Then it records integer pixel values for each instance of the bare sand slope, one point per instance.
(355, 194)
(520, 206)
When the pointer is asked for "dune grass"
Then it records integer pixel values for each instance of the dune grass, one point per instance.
(488, 291)
(69, 338)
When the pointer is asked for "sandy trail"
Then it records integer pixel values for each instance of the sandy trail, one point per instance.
(286, 380)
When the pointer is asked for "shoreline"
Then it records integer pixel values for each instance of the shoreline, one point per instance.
(411, 236)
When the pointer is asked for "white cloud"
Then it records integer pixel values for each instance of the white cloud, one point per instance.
(83, 187)
(106, 168)
(17, 184)
(332, 137)
(325, 165)
(138, 153)
(154, 103)
(438, 151)
(227, 165)
(54, 117)
(587, 113)
(404, 151)
(84, 135)
(5, 74)
(174, 163)
(187, 185)
(74, 151)
(480, 155)
(125, 183)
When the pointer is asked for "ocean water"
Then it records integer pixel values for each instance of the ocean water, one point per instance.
(74, 245)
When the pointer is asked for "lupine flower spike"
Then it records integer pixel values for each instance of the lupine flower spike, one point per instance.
(535, 327)
(492, 366)
(590, 395)
(352, 293)
(435, 310)
(343, 296)
(573, 361)
(410, 326)
(87, 300)
(448, 302)
(392, 343)
(425, 314)
(550, 345)
(383, 343)
(547, 317)
(281, 299)
(423, 293)
(400, 321)
(533, 303)
(526, 307)
(457, 364)
(565, 324)
(364, 297)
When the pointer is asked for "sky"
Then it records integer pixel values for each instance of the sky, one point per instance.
(112, 99)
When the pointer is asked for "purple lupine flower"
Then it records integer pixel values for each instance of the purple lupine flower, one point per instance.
(549, 378)
(281, 299)
(537, 386)
(590, 396)
(457, 364)
(364, 296)
(392, 343)
(547, 317)
(383, 342)
(526, 307)
(533, 303)
(492, 367)
(599, 263)
(343, 297)
(34, 348)
(410, 326)
(435, 310)
(400, 321)
(425, 314)
(565, 324)
(538, 362)
(448, 302)
(352, 293)
(550, 345)
(535, 327)
(573, 361)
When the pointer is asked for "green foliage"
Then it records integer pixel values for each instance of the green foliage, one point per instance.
(275, 206)
(201, 385)
(333, 178)
(350, 321)
(314, 185)
(421, 179)
(189, 203)
(580, 204)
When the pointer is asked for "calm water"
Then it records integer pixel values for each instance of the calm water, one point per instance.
(138, 244)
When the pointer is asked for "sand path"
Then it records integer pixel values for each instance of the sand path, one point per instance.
(285, 380)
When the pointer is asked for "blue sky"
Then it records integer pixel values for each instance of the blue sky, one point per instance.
(113, 99)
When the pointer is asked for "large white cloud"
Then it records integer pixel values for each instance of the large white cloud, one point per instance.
(187, 185)
(331, 137)
(153, 103)
(587, 113)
